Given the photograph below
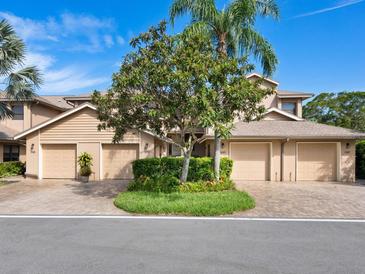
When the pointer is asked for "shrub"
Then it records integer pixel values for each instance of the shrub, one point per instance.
(163, 183)
(200, 169)
(147, 167)
(360, 160)
(85, 163)
(11, 169)
(85, 171)
(207, 186)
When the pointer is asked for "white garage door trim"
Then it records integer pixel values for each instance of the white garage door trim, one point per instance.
(270, 155)
(338, 159)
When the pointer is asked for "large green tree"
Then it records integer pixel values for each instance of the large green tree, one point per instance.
(19, 82)
(232, 32)
(344, 109)
(168, 84)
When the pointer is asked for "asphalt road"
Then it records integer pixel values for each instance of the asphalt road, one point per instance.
(179, 246)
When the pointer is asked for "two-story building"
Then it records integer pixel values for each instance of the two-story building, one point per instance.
(49, 133)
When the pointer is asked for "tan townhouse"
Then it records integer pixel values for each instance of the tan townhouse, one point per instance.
(51, 131)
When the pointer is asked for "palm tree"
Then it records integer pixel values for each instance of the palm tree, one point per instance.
(232, 32)
(20, 82)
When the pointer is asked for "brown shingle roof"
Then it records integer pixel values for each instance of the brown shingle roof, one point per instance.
(53, 101)
(292, 129)
(7, 133)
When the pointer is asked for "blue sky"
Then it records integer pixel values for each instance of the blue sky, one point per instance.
(78, 44)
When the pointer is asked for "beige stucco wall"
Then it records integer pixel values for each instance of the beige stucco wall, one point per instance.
(94, 150)
(348, 161)
(22, 153)
(289, 158)
(41, 113)
(16, 125)
(274, 116)
(147, 147)
(270, 101)
(32, 154)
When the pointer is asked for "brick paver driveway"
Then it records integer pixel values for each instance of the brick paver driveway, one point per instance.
(60, 197)
(305, 199)
(274, 199)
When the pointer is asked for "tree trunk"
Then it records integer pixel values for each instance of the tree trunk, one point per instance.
(217, 155)
(222, 50)
(185, 168)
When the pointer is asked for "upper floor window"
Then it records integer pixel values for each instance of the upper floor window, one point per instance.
(18, 112)
(11, 153)
(290, 107)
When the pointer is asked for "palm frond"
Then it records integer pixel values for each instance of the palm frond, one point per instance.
(251, 42)
(179, 8)
(12, 49)
(200, 10)
(5, 112)
(268, 8)
(23, 83)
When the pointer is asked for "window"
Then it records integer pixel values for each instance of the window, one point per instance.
(18, 112)
(290, 107)
(11, 153)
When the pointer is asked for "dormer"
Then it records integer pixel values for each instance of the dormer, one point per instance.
(288, 101)
(291, 102)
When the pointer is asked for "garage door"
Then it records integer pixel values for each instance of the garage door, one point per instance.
(317, 162)
(251, 161)
(117, 161)
(59, 161)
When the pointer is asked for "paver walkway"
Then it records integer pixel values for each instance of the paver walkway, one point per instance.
(305, 199)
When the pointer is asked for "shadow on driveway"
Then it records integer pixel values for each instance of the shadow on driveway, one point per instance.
(105, 189)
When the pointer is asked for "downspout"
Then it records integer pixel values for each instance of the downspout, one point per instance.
(282, 159)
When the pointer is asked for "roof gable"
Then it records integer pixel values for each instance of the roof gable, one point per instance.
(285, 116)
(54, 119)
(258, 76)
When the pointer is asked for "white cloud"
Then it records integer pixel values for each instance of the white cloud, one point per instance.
(340, 5)
(120, 40)
(42, 61)
(108, 40)
(64, 79)
(73, 32)
(70, 79)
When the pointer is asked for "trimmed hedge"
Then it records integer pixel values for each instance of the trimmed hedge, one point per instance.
(207, 186)
(360, 160)
(200, 169)
(11, 169)
(164, 183)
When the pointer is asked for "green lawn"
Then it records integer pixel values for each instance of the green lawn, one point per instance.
(195, 204)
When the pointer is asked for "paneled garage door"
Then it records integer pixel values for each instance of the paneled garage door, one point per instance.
(117, 161)
(59, 161)
(317, 162)
(251, 161)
